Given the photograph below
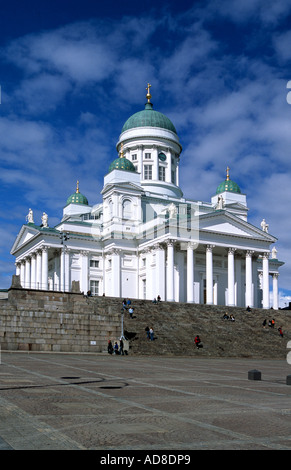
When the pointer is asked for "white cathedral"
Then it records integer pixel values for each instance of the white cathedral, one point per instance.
(144, 239)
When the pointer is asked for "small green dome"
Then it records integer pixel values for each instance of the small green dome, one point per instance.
(149, 118)
(77, 197)
(122, 163)
(228, 185)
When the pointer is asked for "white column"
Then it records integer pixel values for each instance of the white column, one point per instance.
(44, 268)
(249, 279)
(239, 302)
(275, 291)
(215, 290)
(67, 269)
(156, 163)
(170, 270)
(38, 270)
(169, 167)
(150, 281)
(209, 275)
(22, 273)
(115, 278)
(84, 287)
(160, 272)
(27, 273)
(33, 270)
(140, 159)
(266, 297)
(17, 268)
(177, 172)
(230, 274)
(190, 272)
(62, 269)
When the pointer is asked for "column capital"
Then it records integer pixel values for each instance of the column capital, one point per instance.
(249, 253)
(116, 251)
(192, 245)
(209, 248)
(266, 255)
(158, 246)
(146, 250)
(275, 275)
(231, 250)
(84, 252)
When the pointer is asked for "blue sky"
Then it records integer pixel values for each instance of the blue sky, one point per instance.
(72, 72)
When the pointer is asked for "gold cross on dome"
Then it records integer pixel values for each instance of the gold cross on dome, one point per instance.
(227, 173)
(148, 93)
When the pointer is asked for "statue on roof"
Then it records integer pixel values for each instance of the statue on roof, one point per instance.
(29, 217)
(265, 226)
(44, 220)
(220, 203)
(172, 210)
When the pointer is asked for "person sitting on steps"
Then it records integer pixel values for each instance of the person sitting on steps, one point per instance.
(197, 341)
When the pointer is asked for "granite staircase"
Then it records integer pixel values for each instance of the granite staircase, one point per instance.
(175, 326)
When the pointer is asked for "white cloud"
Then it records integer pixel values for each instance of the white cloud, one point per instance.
(266, 12)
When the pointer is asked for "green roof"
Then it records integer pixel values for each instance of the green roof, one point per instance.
(77, 197)
(122, 163)
(228, 185)
(149, 118)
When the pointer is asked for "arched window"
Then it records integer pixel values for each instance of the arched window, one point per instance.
(126, 209)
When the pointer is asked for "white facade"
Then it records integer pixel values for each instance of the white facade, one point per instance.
(144, 239)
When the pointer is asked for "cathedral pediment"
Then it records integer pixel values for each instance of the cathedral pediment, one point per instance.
(29, 232)
(229, 224)
(26, 233)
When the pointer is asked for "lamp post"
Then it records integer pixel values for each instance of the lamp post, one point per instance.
(122, 333)
(64, 237)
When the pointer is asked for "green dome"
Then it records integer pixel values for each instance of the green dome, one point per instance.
(77, 197)
(149, 118)
(228, 185)
(122, 163)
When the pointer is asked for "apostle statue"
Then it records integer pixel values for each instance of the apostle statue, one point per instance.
(44, 219)
(172, 210)
(265, 226)
(220, 203)
(29, 217)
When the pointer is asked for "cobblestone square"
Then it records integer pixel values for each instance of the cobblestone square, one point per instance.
(93, 401)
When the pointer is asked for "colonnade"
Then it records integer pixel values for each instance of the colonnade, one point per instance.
(250, 258)
(33, 270)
